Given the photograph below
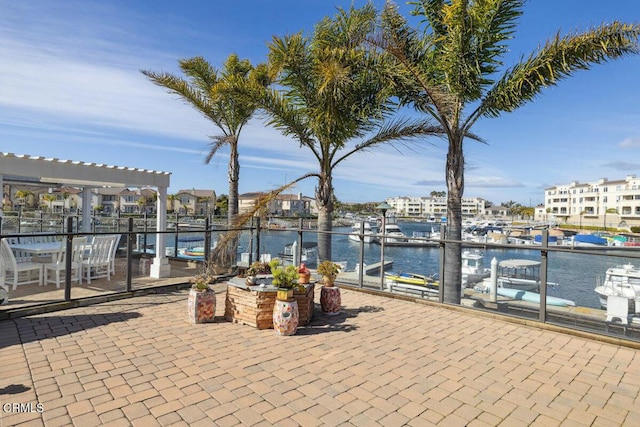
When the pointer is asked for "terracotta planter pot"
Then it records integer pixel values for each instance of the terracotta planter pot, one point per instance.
(328, 280)
(201, 306)
(304, 278)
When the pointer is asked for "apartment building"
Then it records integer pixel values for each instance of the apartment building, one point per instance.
(602, 203)
(434, 207)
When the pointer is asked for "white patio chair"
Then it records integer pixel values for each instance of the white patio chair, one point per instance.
(59, 262)
(19, 273)
(97, 263)
(113, 252)
(19, 255)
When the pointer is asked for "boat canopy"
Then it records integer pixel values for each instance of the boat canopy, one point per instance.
(519, 263)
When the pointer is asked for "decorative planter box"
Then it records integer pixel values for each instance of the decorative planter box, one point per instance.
(253, 305)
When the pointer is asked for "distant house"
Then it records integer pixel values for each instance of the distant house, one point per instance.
(123, 200)
(193, 202)
(288, 205)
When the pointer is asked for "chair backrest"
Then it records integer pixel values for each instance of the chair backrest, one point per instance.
(59, 255)
(8, 259)
(114, 245)
(100, 249)
(78, 246)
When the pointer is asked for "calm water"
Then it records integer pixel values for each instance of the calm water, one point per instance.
(575, 274)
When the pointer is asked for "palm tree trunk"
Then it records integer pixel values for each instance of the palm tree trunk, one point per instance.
(324, 200)
(455, 187)
(234, 178)
(232, 213)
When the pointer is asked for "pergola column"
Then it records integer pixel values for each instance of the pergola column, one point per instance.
(86, 209)
(161, 267)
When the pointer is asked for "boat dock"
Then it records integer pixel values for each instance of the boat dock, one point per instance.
(370, 277)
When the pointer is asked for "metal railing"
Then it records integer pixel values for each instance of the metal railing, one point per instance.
(255, 236)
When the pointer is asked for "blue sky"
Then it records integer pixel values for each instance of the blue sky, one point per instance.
(70, 88)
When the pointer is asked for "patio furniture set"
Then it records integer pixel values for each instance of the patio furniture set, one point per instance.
(42, 259)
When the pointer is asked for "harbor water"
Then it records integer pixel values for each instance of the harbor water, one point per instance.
(575, 274)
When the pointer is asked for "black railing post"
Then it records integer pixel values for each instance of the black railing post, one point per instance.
(258, 237)
(443, 231)
(251, 243)
(543, 276)
(41, 222)
(300, 225)
(175, 243)
(207, 241)
(68, 260)
(361, 255)
(382, 242)
(130, 253)
(144, 239)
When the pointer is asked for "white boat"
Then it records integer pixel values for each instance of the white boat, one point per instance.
(393, 233)
(473, 269)
(368, 233)
(622, 281)
(521, 274)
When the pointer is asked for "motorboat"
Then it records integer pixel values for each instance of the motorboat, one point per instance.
(621, 281)
(473, 269)
(368, 234)
(521, 274)
(392, 233)
(412, 279)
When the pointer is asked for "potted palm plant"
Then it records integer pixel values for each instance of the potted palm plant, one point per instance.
(285, 278)
(330, 300)
(257, 271)
(201, 304)
(328, 270)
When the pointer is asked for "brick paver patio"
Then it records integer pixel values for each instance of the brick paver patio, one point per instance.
(384, 361)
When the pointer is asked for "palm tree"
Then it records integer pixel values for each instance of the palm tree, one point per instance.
(451, 72)
(49, 198)
(226, 97)
(334, 100)
(171, 198)
(23, 196)
(142, 202)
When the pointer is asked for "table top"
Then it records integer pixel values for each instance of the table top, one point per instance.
(37, 248)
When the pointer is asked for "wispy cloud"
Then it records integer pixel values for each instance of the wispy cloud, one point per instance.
(622, 166)
(630, 143)
(491, 182)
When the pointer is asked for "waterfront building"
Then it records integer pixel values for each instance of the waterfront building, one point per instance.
(434, 207)
(602, 203)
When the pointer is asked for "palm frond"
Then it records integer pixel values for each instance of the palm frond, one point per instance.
(558, 59)
(218, 142)
(224, 253)
(399, 131)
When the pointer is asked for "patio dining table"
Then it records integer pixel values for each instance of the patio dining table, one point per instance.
(37, 248)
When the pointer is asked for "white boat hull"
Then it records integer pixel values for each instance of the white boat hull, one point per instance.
(368, 238)
(622, 281)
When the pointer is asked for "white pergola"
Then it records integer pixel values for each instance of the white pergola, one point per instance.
(52, 172)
